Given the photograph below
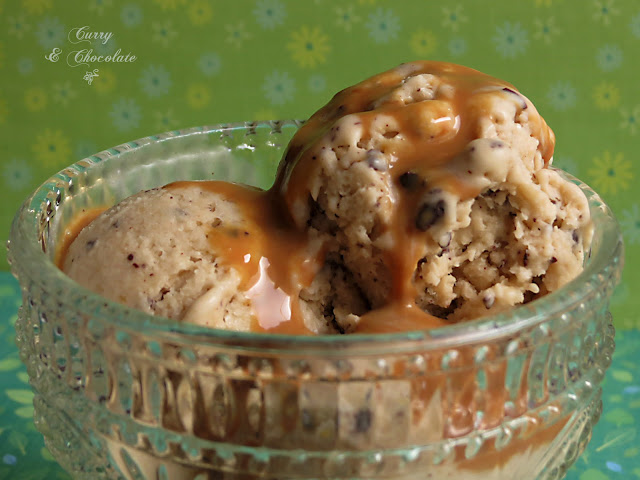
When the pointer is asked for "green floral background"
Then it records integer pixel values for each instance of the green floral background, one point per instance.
(204, 62)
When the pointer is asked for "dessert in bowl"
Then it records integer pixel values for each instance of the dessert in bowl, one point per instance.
(121, 392)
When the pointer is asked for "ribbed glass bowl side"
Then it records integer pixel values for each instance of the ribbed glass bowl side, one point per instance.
(117, 398)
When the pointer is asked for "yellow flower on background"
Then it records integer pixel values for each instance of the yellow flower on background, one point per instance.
(200, 12)
(606, 96)
(4, 111)
(169, 4)
(423, 43)
(165, 120)
(52, 148)
(309, 47)
(105, 81)
(611, 174)
(36, 7)
(35, 99)
(198, 95)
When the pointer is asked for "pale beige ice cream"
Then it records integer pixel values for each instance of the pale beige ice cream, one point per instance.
(431, 181)
(188, 252)
(419, 197)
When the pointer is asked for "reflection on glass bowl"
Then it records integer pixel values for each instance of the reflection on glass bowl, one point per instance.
(119, 393)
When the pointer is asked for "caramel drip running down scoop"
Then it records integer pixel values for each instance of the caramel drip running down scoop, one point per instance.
(275, 261)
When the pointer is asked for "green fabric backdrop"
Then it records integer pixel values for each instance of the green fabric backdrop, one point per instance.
(203, 62)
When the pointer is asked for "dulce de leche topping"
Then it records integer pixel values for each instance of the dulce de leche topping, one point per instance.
(274, 260)
(411, 123)
(422, 130)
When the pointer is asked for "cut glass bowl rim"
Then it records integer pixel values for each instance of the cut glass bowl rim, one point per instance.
(30, 259)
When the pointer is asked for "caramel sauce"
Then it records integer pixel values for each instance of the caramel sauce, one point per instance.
(72, 230)
(395, 318)
(276, 260)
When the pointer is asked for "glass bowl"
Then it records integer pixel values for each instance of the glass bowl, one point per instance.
(119, 393)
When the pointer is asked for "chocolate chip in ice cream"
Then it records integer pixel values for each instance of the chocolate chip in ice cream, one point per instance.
(363, 420)
(429, 214)
(410, 180)
(523, 104)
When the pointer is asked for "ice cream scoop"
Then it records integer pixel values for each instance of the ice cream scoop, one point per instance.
(431, 181)
(416, 198)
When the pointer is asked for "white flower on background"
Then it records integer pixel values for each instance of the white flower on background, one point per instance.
(155, 81)
(101, 48)
(609, 57)
(634, 25)
(453, 17)
(631, 224)
(545, 30)
(210, 64)
(269, 13)
(567, 164)
(163, 33)
(98, 6)
(317, 83)
(236, 34)
(562, 96)
(25, 66)
(63, 93)
(125, 114)
(457, 46)
(17, 174)
(630, 119)
(383, 25)
(511, 39)
(345, 18)
(18, 27)
(50, 33)
(604, 10)
(279, 87)
(131, 15)
(85, 149)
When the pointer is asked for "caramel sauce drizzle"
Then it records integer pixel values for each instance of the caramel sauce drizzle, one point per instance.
(72, 230)
(276, 260)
